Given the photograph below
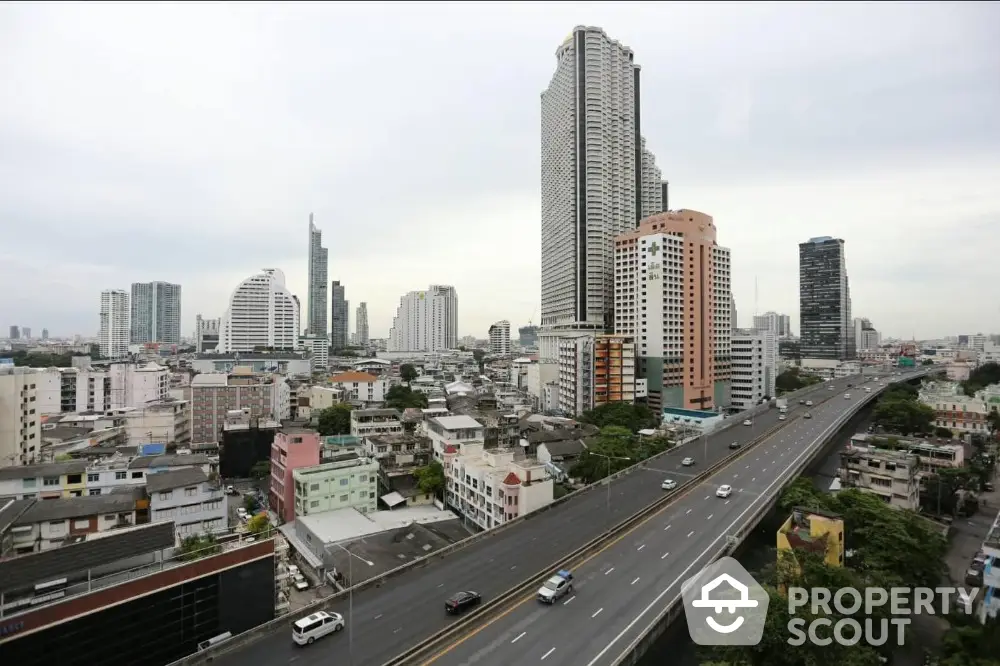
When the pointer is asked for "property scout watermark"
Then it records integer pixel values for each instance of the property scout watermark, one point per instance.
(902, 602)
(724, 605)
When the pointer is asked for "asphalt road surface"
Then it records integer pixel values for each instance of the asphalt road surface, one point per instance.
(410, 607)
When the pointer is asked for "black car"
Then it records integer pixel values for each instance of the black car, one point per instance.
(462, 601)
(734, 445)
(802, 402)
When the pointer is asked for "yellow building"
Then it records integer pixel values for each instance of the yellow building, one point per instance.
(813, 531)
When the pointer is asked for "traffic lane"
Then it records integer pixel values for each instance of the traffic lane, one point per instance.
(421, 592)
(605, 587)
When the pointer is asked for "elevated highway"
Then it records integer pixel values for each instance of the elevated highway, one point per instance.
(621, 586)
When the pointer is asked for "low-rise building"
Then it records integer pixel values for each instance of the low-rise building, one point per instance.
(368, 422)
(958, 412)
(214, 395)
(189, 499)
(351, 483)
(445, 431)
(52, 523)
(360, 388)
(813, 531)
(293, 448)
(398, 457)
(283, 363)
(932, 456)
(892, 475)
(493, 486)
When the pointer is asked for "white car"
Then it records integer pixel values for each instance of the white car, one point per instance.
(293, 570)
(782, 417)
(809, 403)
(687, 462)
(847, 396)
(724, 491)
(317, 625)
(241, 512)
(300, 582)
(748, 422)
(668, 484)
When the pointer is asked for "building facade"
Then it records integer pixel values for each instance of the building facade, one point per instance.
(361, 324)
(20, 421)
(113, 337)
(892, 475)
(214, 395)
(361, 388)
(156, 313)
(117, 386)
(499, 335)
(779, 324)
(262, 313)
(206, 334)
(342, 484)
(684, 343)
(316, 322)
(614, 369)
(527, 336)
(293, 448)
(189, 499)
(426, 321)
(593, 172)
(339, 316)
(827, 331)
(754, 367)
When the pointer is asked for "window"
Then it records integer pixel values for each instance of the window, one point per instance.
(343, 498)
(120, 476)
(136, 475)
(166, 495)
(94, 491)
(190, 492)
(93, 478)
(50, 481)
(344, 481)
(28, 483)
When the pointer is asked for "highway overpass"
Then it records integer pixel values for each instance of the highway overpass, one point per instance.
(621, 587)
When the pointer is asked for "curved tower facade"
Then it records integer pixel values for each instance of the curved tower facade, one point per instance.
(261, 313)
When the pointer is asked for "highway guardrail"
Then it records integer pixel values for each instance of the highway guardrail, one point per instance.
(433, 644)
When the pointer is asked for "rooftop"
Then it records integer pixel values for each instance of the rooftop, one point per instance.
(322, 468)
(75, 507)
(16, 472)
(349, 524)
(461, 422)
(354, 376)
(183, 460)
(176, 478)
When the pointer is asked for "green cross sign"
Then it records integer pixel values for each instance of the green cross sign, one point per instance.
(654, 248)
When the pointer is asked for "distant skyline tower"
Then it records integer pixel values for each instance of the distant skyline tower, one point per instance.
(156, 313)
(361, 323)
(339, 316)
(316, 321)
(113, 336)
(826, 328)
(597, 179)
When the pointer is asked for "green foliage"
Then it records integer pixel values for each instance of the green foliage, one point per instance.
(622, 415)
(792, 380)
(260, 470)
(249, 503)
(900, 410)
(943, 432)
(981, 377)
(258, 523)
(198, 546)
(993, 423)
(927, 361)
(335, 420)
(969, 643)
(403, 397)
(23, 358)
(615, 448)
(407, 372)
(430, 479)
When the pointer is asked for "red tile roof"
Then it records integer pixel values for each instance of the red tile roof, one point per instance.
(450, 449)
(360, 377)
(511, 480)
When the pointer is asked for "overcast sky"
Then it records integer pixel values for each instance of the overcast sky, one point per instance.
(189, 143)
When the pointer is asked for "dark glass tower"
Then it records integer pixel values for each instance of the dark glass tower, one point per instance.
(825, 300)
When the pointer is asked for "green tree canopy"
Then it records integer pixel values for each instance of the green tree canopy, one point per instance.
(622, 414)
(903, 414)
(615, 448)
(32, 360)
(335, 420)
(403, 397)
(793, 379)
(430, 479)
(981, 377)
(969, 643)
(407, 372)
(258, 523)
(261, 470)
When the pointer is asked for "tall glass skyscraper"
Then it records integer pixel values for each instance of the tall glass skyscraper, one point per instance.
(316, 321)
(827, 331)
(156, 313)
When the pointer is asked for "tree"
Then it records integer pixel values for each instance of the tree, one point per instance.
(407, 372)
(792, 380)
(33, 360)
(258, 523)
(403, 397)
(260, 470)
(430, 479)
(943, 432)
(479, 355)
(993, 423)
(198, 546)
(615, 448)
(969, 643)
(903, 416)
(981, 377)
(623, 415)
(927, 361)
(335, 420)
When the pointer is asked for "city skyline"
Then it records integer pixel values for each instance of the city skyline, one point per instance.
(762, 138)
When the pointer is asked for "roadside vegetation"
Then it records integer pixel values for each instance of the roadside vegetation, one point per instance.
(794, 379)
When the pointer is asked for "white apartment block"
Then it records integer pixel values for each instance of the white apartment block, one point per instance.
(156, 313)
(651, 191)
(594, 171)
(425, 321)
(319, 351)
(673, 296)
(119, 386)
(206, 334)
(499, 335)
(114, 334)
(20, 418)
(343, 484)
(754, 367)
(368, 422)
(446, 431)
(891, 475)
(262, 313)
(361, 388)
(779, 324)
(493, 486)
(576, 373)
(361, 324)
(187, 497)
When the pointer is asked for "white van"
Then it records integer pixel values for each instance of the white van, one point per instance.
(215, 640)
(317, 625)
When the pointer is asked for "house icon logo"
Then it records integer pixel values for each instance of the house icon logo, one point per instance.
(724, 605)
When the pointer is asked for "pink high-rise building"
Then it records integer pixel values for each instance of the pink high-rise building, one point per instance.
(292, 448)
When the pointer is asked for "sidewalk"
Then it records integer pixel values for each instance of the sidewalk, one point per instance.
(967, 537)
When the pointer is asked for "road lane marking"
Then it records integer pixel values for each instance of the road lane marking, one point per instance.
(736, 476)
(548, 653)
(727, 501)
(519, 636)
(690, 533)
(566, 603)
(636, 580)
(441, 585)
(609, 571)
(710, 516)
(597, 612)
(666, 528)
(378, 616)
(753, 479)
(664, 556)
(513, 567)
(641, 547)
(746, 467)
(688, 511)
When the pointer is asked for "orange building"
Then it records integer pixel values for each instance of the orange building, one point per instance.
(672, 295)
(614, 369)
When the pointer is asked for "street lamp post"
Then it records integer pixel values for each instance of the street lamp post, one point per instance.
(609, 459)
(350, 597)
